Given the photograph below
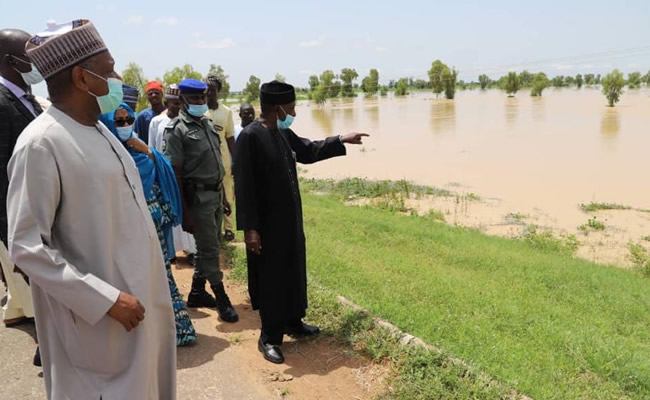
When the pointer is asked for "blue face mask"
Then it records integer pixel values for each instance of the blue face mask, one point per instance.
(197, 110)
(288, 120)
(124, 133)
(112, 100)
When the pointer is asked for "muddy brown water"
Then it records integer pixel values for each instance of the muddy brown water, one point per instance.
(536, 156)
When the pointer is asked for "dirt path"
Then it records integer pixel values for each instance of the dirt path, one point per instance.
(225, 363)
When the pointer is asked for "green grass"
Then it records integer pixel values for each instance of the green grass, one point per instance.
(535, 318)
(591, 207)
(357, 187)
(640, 258)
(414, 373)
(567, 244)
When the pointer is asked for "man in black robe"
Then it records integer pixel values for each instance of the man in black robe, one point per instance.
(269, 211)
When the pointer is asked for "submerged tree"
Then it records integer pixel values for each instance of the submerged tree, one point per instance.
(435, 77)
(511, 84)
(634, 80)
(613, 86)
(313, 82)
(540, 82)
(370, 83)
(579, 81)
(348, 75)
(449, 76)
(526, 79)
(484, 80)
(401, 87)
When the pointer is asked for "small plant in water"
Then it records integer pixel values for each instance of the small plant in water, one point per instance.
(515, 217)
(593, 224)
(473, 197)
(591, 207)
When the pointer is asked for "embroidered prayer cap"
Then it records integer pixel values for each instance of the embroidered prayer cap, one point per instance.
(131, 95)
(172, 92)
(277, 93)
(192, 86)
(64, 45)
(213, 80)
(153, 85)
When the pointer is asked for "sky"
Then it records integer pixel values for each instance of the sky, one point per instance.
(399, 38)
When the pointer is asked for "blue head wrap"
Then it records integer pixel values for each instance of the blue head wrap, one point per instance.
(159, 170)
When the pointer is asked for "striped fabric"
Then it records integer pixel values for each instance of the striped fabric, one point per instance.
(172, 91)
(52, 54)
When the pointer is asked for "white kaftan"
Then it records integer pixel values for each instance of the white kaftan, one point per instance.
(80, 228)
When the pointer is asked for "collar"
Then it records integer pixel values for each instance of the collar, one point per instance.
(186, 118)
(18, 92)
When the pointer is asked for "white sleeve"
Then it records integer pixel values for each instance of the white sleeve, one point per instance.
(32, 201)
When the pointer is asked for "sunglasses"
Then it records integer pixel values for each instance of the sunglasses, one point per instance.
(124, 122)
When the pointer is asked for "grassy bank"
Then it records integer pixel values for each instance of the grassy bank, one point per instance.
(538, 321)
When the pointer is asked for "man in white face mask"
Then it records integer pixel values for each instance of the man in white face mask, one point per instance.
(17, 109)
(80, 228)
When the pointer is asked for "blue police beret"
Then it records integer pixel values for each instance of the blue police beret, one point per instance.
(192, 86)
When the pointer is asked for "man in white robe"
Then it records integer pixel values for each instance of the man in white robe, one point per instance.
(80, 228)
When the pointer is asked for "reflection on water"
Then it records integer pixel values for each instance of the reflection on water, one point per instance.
(511, 109)
(372, 113)
(610, 123)
(443, 116)
(320, 115)
(538, 108)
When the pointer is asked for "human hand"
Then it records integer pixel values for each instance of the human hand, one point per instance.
(138, 145)
(253, 241)
(127, 310)
(354, 138)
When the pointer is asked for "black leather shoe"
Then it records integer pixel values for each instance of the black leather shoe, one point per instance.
(271, 352)
(37, 358)
(302, 330)
(229, 236)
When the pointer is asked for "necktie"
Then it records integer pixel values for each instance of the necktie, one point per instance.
(37, 107)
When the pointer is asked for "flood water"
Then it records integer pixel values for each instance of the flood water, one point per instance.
(546, 154)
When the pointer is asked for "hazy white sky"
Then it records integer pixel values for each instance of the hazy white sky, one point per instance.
(400, 38)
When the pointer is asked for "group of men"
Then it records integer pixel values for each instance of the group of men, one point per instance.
(79, 231)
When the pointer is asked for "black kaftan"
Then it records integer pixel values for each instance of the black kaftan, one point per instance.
(268, 200)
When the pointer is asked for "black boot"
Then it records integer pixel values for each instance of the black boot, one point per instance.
(224, 306)
(199, 297)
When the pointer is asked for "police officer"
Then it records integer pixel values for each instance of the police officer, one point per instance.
(192, 145)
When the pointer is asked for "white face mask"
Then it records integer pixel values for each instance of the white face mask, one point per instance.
(32, 77)
(124, 133)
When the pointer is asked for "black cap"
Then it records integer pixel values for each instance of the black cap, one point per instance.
(277, 93)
